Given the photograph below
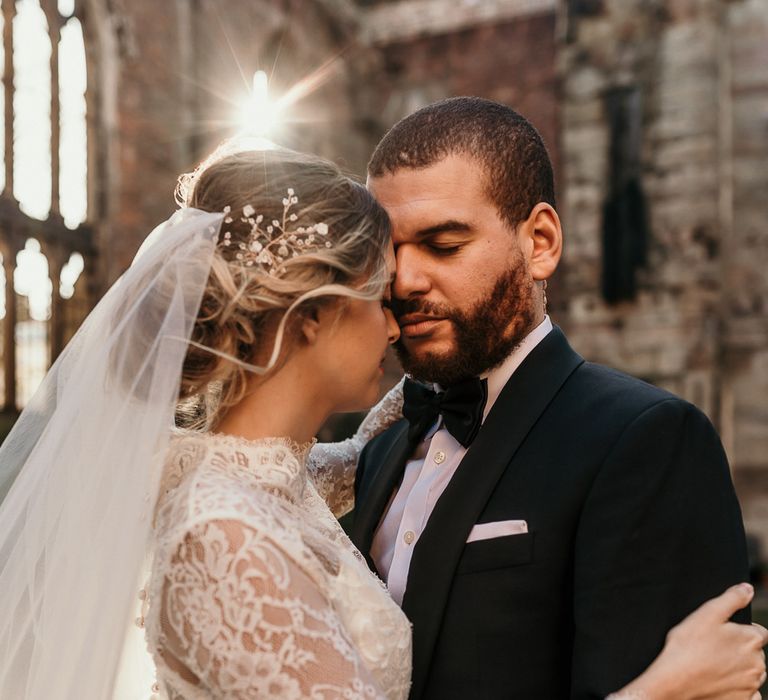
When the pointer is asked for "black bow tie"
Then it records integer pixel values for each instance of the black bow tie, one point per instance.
(460, 405)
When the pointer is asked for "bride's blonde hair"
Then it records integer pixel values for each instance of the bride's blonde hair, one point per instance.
(245, 311)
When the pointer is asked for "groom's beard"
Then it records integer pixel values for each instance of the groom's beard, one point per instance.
(483, 337)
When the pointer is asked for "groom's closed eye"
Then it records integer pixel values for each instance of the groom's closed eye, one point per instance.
(444, 250)
(445, 239)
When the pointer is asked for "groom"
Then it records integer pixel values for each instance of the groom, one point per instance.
(546, 520)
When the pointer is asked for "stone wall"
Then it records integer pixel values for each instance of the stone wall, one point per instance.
(745, 269)
(697, 323)
(510, 60)
(166, 78)
(671, 327)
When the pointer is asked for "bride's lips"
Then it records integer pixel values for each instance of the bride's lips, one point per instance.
(418, 325)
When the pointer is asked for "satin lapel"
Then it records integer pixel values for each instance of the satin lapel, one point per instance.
(375, 494)
(437, 552)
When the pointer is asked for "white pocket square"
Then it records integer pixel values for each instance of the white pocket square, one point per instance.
(487, 531)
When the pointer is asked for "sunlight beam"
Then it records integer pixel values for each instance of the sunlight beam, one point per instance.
(259, 115)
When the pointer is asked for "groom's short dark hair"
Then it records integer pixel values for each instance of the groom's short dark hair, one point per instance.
(518, 169)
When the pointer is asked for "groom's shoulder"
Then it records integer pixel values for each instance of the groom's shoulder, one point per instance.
(605, 390)
(608, 391)
(609, 379)
(600, 400)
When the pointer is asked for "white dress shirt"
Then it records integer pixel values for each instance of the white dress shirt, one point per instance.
(427, 474)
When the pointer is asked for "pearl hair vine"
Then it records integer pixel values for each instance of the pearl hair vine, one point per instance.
(271, 244)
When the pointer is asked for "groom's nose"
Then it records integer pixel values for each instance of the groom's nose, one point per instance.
(411, 278)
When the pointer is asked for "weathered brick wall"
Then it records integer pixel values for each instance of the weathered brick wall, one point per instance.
(137, 74)
(511, 61)
(172, 75)
(149, 99)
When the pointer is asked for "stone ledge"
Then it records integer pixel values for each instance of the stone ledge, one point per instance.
(410, 19)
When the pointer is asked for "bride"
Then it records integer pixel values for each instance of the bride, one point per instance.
(252, 314)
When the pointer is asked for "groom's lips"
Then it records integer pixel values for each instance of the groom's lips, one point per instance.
(418, 325)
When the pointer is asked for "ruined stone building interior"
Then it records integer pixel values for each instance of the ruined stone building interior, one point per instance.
(658, 108)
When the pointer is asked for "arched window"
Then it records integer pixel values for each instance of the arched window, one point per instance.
(45, 244)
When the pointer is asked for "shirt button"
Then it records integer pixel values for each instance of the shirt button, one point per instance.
(409, 537)
(439, 457)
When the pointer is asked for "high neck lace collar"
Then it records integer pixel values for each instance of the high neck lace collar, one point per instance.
(300, 450)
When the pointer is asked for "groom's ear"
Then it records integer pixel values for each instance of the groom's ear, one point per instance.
(541, 238)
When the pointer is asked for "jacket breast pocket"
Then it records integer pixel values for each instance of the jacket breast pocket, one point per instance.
(496, 553)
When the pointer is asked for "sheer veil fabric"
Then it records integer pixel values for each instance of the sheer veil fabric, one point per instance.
(82, 468)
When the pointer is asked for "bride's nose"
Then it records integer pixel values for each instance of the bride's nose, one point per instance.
(393, 330)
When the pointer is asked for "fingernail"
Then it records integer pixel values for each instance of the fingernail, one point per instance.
(747, 588)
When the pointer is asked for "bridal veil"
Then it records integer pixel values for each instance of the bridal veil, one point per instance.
(82, 468)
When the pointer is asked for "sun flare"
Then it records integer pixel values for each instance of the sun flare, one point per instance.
(259, 115)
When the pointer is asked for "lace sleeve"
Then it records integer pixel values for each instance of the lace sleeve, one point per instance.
(242, 620)
(332, 464)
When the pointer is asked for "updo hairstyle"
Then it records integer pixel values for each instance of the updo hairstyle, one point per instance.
(245, 311)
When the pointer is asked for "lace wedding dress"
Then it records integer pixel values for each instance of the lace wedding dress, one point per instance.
(255, 591)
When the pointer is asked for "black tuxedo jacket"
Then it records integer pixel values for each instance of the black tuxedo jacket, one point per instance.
(633, 522)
